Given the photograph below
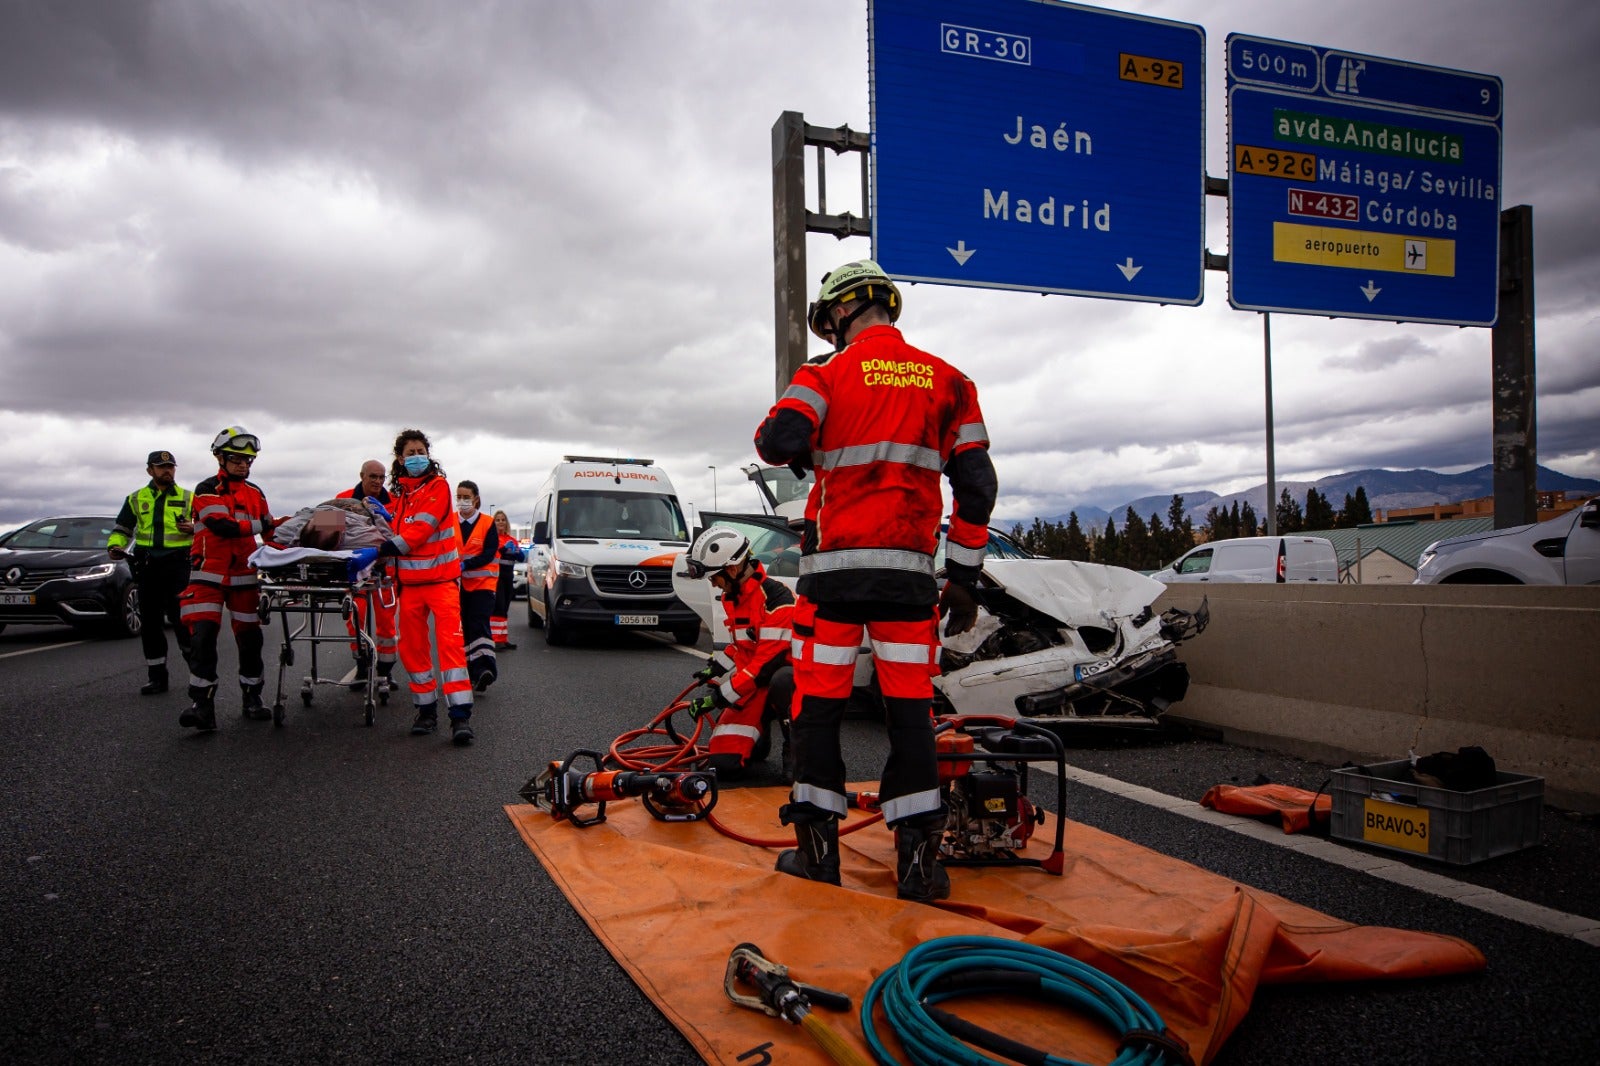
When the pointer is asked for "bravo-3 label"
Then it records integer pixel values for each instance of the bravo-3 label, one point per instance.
(1396, 825)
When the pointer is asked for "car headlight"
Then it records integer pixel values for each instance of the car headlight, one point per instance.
(571, 569)
(89, 573)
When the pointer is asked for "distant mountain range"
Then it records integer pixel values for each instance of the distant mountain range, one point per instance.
(1386, 490)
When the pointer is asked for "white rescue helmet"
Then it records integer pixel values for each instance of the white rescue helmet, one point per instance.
(714, 549)
(236, 440)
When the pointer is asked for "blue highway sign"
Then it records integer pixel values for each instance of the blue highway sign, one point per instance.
(1361, 187)
(1020, 144)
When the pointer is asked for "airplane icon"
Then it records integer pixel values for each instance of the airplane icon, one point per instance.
(1416, 255)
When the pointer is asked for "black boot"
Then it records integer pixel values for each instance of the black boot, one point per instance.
(922, 877)
(157, 683)
(363, 672)
(817, 856)
(254, 709)
(201, 713)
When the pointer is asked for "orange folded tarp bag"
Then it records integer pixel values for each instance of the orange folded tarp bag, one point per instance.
(670, 900)
(1291, 805)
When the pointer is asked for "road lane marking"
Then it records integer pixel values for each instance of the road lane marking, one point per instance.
(46, 647)
(1468, 895)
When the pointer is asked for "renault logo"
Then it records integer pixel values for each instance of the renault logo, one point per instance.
(638, 580)
(14, 576)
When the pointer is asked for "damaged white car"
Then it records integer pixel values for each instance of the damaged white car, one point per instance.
(1058, 643)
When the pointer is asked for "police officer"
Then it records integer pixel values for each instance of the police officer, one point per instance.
(880, 421)
(158, 521)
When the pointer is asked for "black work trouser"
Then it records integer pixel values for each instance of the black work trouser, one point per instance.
(160, 579)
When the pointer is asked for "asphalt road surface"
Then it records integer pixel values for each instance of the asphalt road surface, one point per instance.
(328, 892)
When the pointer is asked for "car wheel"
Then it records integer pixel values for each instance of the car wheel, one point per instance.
(126, 622)
(555, 632)
(688, 636)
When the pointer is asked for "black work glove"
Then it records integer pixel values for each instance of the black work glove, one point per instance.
(701, 705)
(958, 604)
(708, 672)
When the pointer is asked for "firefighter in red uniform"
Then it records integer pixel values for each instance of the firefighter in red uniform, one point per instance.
(427, 540)
(880, 421)
(758, 683)
(370, 488)
(230, 513)
(480, 546)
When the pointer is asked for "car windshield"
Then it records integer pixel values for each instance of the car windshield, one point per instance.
(648, 516)
(62, 533)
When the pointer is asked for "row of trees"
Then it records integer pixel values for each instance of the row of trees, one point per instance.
(1149, 544)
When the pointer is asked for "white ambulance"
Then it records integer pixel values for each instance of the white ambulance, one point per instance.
(605, 534)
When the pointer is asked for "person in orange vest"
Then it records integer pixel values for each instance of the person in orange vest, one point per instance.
(480, 546)
(427, 547)
(880, 421)
(369, 486)
(230, 512)
(511, 554)
(757, 683)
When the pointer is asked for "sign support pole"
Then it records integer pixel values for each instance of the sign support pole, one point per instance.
(1272, 465)
(1516, 471)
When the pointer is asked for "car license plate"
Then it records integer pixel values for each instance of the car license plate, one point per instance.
(16, 599)
(638, 619)
(1083, 671)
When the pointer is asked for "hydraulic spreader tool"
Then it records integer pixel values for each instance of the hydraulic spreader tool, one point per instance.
(565, 791)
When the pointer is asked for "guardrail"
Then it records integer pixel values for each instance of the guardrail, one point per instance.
(1364, 672)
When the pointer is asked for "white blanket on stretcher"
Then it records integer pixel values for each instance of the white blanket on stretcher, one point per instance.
(269, 555)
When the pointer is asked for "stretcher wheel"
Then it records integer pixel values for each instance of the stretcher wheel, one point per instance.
(371, 716)
(277, 714)
(305, 696)
(383, 695)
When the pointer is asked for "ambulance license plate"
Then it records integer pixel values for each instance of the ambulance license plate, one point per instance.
(638, 619)
(16, 599)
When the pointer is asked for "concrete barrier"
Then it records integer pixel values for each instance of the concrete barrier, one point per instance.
(1364, 673)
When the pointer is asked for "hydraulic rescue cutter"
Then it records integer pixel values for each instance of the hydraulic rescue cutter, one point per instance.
(670, 796)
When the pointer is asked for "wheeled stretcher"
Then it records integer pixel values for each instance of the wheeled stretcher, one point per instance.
(308, 588)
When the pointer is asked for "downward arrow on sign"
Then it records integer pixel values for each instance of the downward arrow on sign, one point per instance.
(961, 252)
(1371, 290)
(1128, 269)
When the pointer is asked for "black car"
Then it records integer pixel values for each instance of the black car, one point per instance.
(57, 570)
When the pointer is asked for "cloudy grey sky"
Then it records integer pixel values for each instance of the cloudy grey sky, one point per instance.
(539, 227)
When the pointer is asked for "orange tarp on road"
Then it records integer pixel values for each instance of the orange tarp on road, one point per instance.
(671, 900)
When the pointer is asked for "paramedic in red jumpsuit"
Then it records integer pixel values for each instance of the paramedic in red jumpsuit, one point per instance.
(756, 684)
(427, 541)
(880, 421)
(230, 512)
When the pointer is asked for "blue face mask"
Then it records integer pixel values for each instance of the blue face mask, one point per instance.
(416, 465)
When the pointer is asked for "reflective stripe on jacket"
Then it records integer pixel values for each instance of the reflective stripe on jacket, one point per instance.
(149, 520)
(426, 531)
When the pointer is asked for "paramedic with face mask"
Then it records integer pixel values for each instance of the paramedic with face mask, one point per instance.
(230, 513)
(427, 543)
(757, 685)
(880, 421)
(479, 572)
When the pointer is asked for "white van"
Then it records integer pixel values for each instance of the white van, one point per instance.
(1256, 559)
(605, 534)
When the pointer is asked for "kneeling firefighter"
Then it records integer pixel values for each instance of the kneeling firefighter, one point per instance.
(758, 685)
